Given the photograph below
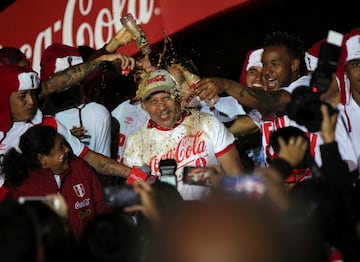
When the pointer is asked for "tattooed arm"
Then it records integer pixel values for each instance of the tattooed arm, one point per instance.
(105, 165)
(263, 100)
(63, 80)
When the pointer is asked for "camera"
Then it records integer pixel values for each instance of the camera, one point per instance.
(304, 108)
(120, 196)
(305, 104)
(329, 55)
(167, 169)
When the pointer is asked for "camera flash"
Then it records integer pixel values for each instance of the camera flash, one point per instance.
(335, 38)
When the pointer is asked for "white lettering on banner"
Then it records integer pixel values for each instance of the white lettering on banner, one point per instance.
(106, 20)
(189, 147)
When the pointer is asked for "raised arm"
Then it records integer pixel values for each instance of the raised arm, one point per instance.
(254, 98)
(106, 165)
(63, 80)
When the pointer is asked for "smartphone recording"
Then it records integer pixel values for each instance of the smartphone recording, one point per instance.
(200, 176)
(120, 196)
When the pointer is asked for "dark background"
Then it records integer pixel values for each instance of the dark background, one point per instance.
(218, 45)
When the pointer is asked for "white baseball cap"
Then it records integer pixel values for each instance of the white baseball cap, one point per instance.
(158, 80)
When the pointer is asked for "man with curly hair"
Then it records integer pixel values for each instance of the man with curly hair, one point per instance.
(282, 61)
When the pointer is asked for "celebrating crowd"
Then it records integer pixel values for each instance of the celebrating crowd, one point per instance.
(184, 167)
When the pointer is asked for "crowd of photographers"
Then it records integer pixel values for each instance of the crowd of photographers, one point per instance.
(297, 201)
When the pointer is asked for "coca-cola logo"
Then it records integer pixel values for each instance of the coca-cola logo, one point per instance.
(84, 24)
(189, 148)
(81, 204)
(129, 120)
(155, 79)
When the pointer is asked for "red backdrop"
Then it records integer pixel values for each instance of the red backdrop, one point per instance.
(32, 25)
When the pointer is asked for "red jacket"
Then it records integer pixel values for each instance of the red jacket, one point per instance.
(79, 185)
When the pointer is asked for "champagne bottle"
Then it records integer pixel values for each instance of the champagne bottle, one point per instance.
(192, 80)
(142, 43)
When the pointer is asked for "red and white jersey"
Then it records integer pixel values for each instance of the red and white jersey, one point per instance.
(256, 115)
(302, 81)
(96, 119)
(269, 126)
(12, 137)
(225, 110)
(346, 147)
(197, 141)
(344, 141)
(130, 117)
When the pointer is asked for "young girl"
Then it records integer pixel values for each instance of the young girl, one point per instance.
(43, 164)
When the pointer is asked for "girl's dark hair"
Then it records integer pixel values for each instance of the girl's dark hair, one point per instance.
(36, 140)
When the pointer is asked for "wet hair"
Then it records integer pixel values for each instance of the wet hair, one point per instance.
(154, 55)
(36, 140)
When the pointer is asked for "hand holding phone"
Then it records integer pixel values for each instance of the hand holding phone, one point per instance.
(200, 176)
(120, 196)
(167, 169)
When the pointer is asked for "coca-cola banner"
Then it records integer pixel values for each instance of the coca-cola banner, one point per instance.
(33, 25)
